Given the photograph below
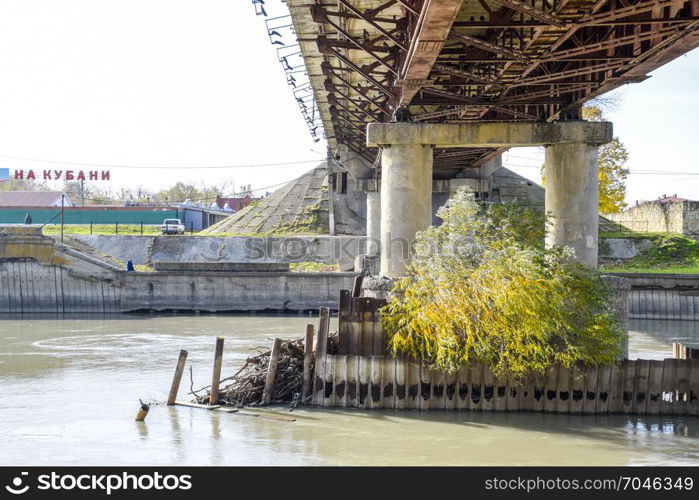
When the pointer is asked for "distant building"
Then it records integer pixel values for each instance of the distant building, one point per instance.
(198, 218)
(234, 204)
(33, 199)
(667, 214)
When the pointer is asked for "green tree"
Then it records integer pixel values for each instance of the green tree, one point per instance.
(483, 288)
(24, 185)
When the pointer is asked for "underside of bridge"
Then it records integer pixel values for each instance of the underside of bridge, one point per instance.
(414, 92)
(478, 60)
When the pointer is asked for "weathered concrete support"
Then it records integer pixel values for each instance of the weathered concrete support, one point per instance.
(373, 222)
(357, 166)
(406, 202)
(488, 134)
(572, 198)
(571, 192)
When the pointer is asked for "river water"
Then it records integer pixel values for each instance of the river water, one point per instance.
(69, 391)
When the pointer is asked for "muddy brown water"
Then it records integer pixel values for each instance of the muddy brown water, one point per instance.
(69, 391)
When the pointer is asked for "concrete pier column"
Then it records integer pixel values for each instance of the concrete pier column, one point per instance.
(373, 222)
(572, 197)
(406, 202)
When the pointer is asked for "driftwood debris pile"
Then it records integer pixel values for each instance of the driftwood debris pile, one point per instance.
(246, 387)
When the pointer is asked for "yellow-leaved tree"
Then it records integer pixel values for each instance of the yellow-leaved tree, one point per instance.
(482, 288)
(612, 175)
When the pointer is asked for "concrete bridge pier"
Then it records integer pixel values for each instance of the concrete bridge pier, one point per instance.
(406, 187)
(406, 202)
(572, 196)
(373, 222)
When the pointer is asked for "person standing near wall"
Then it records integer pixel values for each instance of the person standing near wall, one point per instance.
(28, 220)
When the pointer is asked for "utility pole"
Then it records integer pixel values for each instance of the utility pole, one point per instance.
(331, 201)
(82, 191)
(63, 197)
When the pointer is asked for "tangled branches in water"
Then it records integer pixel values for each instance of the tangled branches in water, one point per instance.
(246, 386)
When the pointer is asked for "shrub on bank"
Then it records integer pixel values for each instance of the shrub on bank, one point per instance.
(482, 288)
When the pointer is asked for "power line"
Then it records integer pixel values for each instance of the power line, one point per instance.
(109, 200)
(188, 167)
(634, 172)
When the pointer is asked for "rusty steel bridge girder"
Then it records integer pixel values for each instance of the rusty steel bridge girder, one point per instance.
(478, 60)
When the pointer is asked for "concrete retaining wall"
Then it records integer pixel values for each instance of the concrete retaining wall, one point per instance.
(664, 304)
(615, 249)
(662, 217)
(232, 291)
(28, 287)
(40, 275)
(146, 250)
(340, 250)
(663, 296)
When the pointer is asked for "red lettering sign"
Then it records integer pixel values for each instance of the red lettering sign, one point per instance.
(69, 175)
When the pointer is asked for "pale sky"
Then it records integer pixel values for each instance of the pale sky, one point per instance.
(658, 122)
(185, 83)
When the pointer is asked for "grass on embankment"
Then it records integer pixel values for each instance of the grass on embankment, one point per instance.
(125, 229)
(669, 254)
(313, 267)
(657, 270)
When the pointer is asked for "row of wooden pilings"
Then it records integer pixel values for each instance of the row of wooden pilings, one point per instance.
(351, 370)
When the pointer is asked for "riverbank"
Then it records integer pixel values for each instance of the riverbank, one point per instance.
(38, 274)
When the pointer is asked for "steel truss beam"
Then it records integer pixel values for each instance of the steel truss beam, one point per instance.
(534, 12)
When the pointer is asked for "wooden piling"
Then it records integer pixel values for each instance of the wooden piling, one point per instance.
(323, 329)
(682, 351)
(357, 286)
(216, 376)
(179, 369)
(307, 361)
(142, 412)
(344, 322)
(667, 387)
(271, 371)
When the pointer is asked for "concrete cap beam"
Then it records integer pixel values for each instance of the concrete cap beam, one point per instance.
(489, 134)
